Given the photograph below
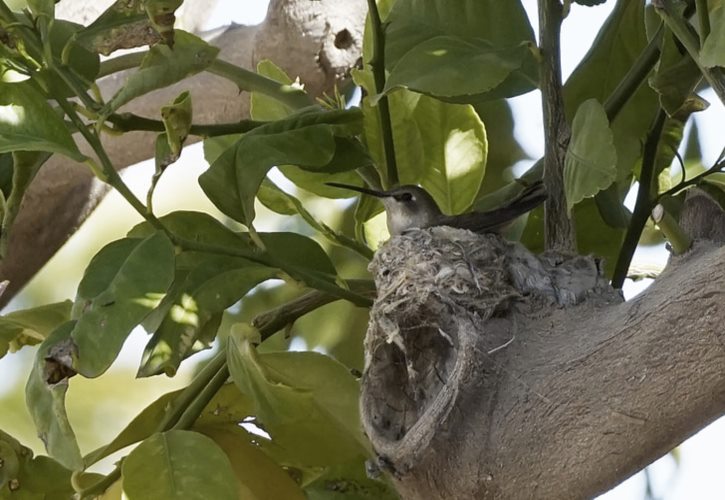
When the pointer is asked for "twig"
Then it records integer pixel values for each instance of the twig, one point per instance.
(558, 229)
(377, 64)
(644, 203)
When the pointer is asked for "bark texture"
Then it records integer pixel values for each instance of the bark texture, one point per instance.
(494, 373)
(327, 42)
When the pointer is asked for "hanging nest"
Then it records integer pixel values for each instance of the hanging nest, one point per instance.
(448, 301)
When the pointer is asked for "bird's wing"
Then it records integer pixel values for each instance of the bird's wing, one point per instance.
(495, 220)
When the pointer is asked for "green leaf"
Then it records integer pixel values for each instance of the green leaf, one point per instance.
(120, 299)
(258, 476)
(177, 121)
(439, 145)
(414, 22)
(675, 77)
(306, 401)
(23, 476)
(31, 326)
(84, 63)
(142, 426)
(309, 139)
(192, 321)
(163, 66)
(26, 165)
(28, 123)
(591, 159)
(454, 66)
(193, 226)
(266, 108)
(349, 481)
(619, 42)
(180, 465)
(45, 397)
(712, 52)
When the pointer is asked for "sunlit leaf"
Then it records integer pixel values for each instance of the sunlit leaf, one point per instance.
(31, 326)
(112, 305)
(28, 123)
(591, 160)
(181, 465)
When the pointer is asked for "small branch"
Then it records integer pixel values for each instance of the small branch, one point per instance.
(558, 228)
(717, 168)
(635, 76)
(121, 63)
(112, 176)
(377, 64)
(678, 239)
(274, 320)
(126, 122)
(643, 205)
(250, 81)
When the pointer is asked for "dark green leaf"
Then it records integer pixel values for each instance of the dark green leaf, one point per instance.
(675, 77)
(28, 123)
(45, 397)
(413, 22)
(194, 226)
(305, 400)
(31, 326)
(163, 66)
(349, 481)
(453, 66)
(131, 291)
(181, 465)
(591, 159)
(84, 63)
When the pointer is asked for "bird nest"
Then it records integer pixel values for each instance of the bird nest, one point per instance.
(447, 299)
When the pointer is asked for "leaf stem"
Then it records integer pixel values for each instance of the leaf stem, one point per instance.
(636, 74)
(377, 64)
(250, 81)
(644, 203)
(126, 122)
(558, 228)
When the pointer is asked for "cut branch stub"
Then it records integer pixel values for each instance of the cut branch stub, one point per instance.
(449, 302)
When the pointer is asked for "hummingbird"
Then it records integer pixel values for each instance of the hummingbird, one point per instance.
(409, 207)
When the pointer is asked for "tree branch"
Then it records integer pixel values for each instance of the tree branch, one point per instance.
(558, 232)
(499, 392)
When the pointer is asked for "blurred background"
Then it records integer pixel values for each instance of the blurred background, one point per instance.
(100, 408)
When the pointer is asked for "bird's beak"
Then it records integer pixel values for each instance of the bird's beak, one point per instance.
(371, 192)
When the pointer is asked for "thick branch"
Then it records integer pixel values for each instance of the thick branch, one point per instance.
(479, 384)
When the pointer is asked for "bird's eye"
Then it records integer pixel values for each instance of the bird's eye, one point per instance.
(404, 197)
